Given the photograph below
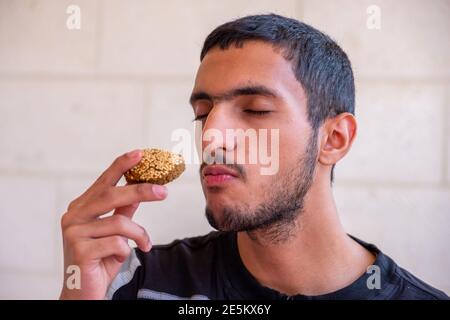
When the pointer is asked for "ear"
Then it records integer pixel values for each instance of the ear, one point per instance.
(337, 136)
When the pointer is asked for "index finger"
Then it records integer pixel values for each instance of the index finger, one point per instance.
(115, 171)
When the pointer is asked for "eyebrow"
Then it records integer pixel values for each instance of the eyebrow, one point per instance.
(259, 90)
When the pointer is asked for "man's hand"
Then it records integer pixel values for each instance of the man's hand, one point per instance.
(99, 246)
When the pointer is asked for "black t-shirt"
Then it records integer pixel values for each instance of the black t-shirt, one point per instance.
(209, 267)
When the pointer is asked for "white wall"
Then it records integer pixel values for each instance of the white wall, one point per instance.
(71, 101)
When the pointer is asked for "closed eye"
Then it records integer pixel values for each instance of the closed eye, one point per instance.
(250, 111)
(257, 112)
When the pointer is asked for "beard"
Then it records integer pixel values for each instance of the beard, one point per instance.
(274, 218)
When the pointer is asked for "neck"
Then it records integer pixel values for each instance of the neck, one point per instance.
(318, 257)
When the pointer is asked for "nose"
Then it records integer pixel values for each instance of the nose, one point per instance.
(214, 131)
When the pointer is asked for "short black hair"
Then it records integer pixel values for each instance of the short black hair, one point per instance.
(319, 64)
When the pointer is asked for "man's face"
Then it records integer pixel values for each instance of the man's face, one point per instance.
(253, 87)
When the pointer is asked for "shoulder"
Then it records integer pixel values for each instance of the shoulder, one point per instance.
(411, 287)
(185, 268)
(192, 243)
(398, 283)
(187, 250)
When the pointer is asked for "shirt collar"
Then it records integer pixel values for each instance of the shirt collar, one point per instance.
(240, 283)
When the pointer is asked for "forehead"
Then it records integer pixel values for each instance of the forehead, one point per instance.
(255, 62)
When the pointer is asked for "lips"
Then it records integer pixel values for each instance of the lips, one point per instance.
(216, 169)
(215, 175)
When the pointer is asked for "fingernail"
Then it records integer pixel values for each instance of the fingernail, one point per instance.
(159, 191)
(134, 154)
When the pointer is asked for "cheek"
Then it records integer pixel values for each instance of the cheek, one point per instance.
(292, 147)
(288, 146)
(257, 184)
(256, 188)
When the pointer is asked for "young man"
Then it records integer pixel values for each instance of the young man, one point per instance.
(279, 234)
